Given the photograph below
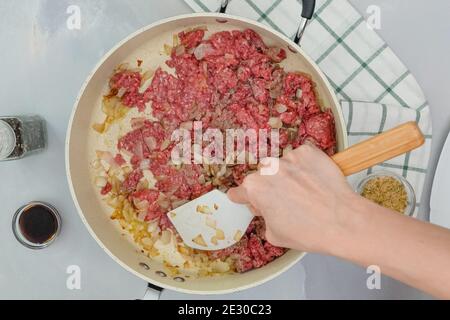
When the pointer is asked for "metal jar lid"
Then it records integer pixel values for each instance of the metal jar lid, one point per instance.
(7, 140)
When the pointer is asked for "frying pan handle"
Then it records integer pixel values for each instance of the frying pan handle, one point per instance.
(223, 6)
(152, 293)
(309, 7)
(307, 13)
(382, 147)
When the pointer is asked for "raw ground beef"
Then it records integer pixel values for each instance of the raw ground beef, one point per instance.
(253, 250)
(230, 80)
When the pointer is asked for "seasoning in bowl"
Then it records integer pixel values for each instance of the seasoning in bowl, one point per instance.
(389, 190)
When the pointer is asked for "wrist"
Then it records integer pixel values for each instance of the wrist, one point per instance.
(352, 227)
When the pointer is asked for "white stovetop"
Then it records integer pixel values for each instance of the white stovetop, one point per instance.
(45, 65)
(440, 213)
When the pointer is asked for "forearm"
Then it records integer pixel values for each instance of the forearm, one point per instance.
(308, 205)
(404, 248)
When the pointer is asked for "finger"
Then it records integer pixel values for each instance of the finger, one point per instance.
(269, 166)
(308, 142)
(238, 195)
(254, 210)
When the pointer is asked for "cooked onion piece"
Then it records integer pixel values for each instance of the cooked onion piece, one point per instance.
(220, 235)
(238, 235)
(200, 241)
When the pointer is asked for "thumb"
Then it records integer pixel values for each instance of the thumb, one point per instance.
(238, 195)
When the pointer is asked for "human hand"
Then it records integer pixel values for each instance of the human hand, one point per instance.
(308, 205)
(305, 204)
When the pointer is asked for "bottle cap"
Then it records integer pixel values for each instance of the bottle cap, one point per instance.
(7, 140)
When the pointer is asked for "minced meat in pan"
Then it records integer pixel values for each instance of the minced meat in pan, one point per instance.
(229, 80)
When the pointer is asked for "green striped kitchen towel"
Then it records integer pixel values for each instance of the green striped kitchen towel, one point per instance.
(376, 90)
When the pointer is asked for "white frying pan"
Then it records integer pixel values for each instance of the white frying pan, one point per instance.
(146, 44)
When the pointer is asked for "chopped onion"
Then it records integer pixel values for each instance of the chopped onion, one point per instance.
(141, 216)
(96, 164)
(210, 222)
(175, 40)
(107, 157)
(261, 108)
(164, 204)
(153, 227)
(188, 125)
(165, 144)
(113, 202)
(135, 70)
(299, 93)
(167, 49)
(144, 164)
(222, 171)
(202, 50)
(204, 209)
(179, 50)
(100, 181)
(121, 92)
(274, 54)
(137, 123)
(126, 154)
(179, 203)
(123, 66)
(205, 68)
(238, 235)
(220, 266)
(109, 106)
(148, 242)
(292, 133)
(166, 237)
(275, 92)
(220, 235)
(201, 179)
(147, 75)
(202, 27)
(199, 240)
(228, 56)
(138, 151)
(99, 127)
(146, 81)
(140, 204)
(150, 142)
(281, 108)
(275, 123)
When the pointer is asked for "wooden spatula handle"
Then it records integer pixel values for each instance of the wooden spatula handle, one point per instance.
(382, 147)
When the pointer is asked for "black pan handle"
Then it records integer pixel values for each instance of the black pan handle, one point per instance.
(309, 6)
(308, 9)
(153, 292)
(223, 6)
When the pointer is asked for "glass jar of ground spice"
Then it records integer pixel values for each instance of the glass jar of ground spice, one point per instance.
(20, 136)
(390, 191)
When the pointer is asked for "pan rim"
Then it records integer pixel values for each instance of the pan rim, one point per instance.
(82, 91)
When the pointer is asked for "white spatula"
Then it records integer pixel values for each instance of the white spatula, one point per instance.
(213, 222)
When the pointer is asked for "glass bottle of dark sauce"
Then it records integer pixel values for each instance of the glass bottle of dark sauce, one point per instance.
(36, 225)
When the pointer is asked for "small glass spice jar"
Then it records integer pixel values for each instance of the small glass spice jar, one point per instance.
(20, 136)
(410, 203)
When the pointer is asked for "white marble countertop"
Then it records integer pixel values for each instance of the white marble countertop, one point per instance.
(44, 64)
